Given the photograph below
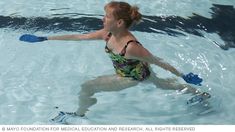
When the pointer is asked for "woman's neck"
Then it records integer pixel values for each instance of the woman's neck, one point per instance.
(119, 34)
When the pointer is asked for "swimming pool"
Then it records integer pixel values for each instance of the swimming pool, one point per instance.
(36, 78)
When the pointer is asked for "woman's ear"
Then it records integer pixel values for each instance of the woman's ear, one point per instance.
(120, 23)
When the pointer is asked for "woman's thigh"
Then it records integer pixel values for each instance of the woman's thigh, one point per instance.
(108, 83)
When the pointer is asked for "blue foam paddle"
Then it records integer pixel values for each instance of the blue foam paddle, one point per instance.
(192, 78)
(32, 38)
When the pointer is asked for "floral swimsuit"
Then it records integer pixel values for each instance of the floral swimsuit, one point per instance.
(136, 69)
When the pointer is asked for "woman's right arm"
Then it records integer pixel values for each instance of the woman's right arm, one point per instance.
(99, 34)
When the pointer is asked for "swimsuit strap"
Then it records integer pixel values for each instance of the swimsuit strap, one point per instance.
(123, 52)
(108, 37)
(110, 34)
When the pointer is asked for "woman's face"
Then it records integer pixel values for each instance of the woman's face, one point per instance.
(109, 22)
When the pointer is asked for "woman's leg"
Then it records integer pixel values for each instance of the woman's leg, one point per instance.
(103, 83)
(172, 84)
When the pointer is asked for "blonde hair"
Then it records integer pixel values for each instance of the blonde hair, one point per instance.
(123, 10)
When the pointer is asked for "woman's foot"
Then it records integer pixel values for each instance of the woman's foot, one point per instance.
(199, 98)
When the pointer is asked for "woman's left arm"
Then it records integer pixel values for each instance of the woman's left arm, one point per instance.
(135, 51)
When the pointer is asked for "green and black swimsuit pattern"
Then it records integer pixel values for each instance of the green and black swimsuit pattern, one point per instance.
(136, 69)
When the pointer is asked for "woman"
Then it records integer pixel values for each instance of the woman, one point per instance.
(130, 59)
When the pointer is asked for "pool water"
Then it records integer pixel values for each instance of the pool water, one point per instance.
(37, 80)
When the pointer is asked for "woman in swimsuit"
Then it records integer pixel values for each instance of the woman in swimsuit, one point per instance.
(130, 59)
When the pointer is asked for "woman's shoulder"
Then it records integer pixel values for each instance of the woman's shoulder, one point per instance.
(133, 45)
(136, 49)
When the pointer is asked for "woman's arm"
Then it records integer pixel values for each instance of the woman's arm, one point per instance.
(135, 51)
(160, 62)
(100, 34)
